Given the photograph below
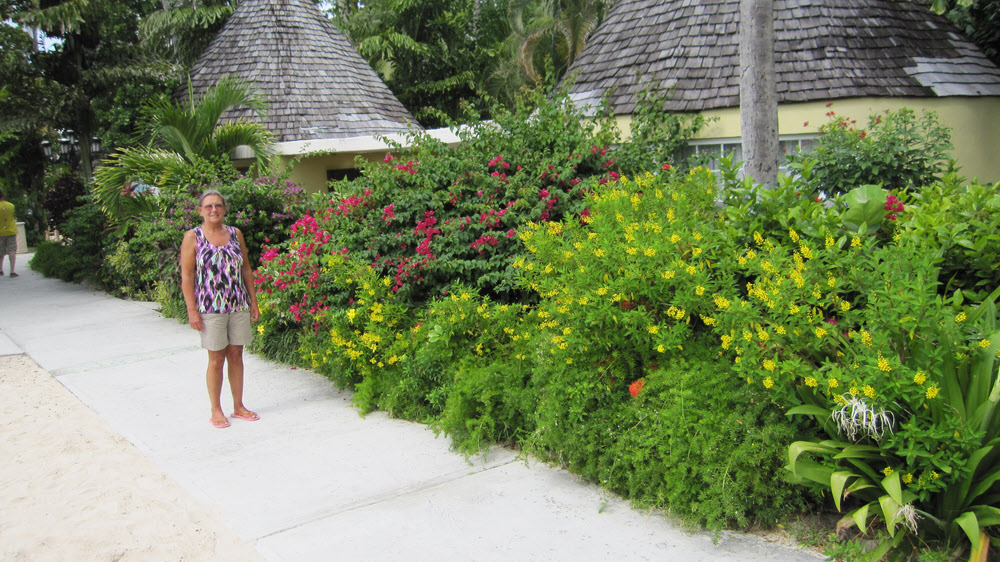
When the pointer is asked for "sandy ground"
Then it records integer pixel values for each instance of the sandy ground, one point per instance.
(73, 489)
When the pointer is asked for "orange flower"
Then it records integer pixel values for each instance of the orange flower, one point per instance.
(636, 387)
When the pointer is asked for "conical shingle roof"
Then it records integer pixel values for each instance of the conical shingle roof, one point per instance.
(317, 86)
(824, 50)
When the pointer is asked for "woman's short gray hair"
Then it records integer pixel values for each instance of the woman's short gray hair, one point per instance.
(211, 192)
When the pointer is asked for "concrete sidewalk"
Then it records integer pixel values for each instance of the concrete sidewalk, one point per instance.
(312, 480)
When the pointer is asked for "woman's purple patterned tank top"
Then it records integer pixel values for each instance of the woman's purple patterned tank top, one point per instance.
(219, 284)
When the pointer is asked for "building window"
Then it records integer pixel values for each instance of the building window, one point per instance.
(343, 174)
(711, 150)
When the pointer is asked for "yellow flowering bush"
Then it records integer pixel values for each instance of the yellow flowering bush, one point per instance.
(853, 332)
(626, 286)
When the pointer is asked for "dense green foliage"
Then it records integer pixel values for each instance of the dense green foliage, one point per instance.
(898, 150)
(433, 55)
(81, 256)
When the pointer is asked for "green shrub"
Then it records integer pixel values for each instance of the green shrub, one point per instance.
(80, 255)
(962, 224)
(898, 151)
(692, 441)
(852, 331)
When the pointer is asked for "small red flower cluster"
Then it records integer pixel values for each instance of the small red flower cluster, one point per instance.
(636, 387)
(389, 213)
(484, 240)
(409, 167)
(426, 227)
(893, 205)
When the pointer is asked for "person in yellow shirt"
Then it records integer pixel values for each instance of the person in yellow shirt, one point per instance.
(8, 233)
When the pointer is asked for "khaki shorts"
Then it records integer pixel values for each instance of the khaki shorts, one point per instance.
(8, 245)
(222, 330)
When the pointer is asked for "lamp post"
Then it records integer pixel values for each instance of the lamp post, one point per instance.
(78, 154)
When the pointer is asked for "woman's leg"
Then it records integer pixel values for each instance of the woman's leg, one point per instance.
(234, 359)
(213, 377)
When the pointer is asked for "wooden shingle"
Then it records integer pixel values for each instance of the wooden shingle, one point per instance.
(824, 50)
(316, 84)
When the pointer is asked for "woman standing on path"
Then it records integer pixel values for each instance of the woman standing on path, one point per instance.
(221, 302)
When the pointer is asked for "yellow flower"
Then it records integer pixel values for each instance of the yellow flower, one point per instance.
(721, 301)
(768, 383)
(260, 329)
(780, 330)
(699, 290)
(887, 471)
(820, 332)
(667, 274)
(649, 252)
(854, 390)
(602, 291)
(793, 235)
(866, 338)
(932, 392)
(691, 269)
(631, 251)
(883, 364)
(652, 329)
(907, 478)
(869, 391)
(675, 238)
(350, 314)
(793, 309)
(829, 241)
(811, 382)
(920, 377)
(661, 348)
(831, 282)
(845, 305)
(769, 365)
(961, 317)
(806, 252)
(833, 383)
(984, 343)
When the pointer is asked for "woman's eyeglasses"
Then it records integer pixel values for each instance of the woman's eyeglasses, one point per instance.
(212, 206)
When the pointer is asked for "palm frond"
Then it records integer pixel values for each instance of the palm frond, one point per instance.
(229, 136)
(66, 17)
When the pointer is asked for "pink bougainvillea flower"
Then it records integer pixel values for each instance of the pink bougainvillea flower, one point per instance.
(666, 166)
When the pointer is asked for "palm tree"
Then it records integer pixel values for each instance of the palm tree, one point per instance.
(543, 33)
(185, 140)
(554, 28)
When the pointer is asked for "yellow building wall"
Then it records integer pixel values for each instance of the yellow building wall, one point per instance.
(974, 124)
(310, 171)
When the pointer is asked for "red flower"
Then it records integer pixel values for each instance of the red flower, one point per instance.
(666, 166)
(636, 387)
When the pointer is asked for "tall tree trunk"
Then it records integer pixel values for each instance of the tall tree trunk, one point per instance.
(758, 91)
